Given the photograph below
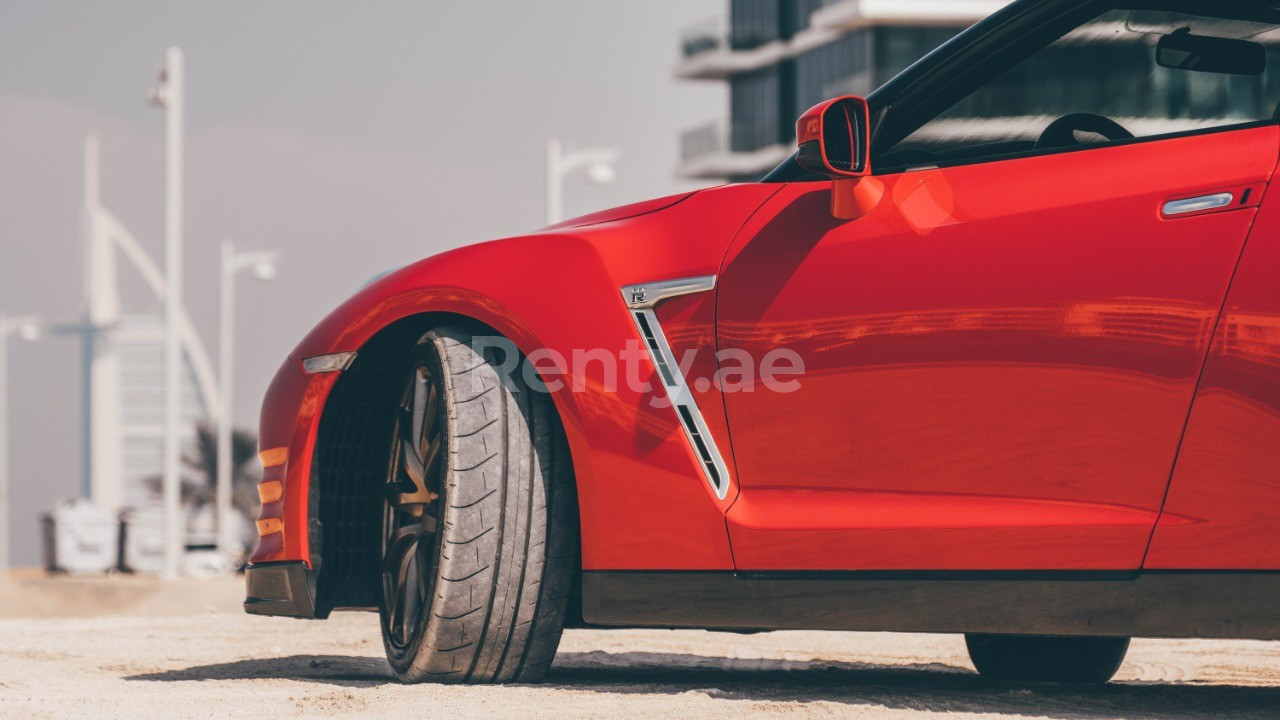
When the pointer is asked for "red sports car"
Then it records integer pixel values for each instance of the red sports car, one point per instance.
(996, 352)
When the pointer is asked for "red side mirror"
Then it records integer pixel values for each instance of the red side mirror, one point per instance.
(834, 138)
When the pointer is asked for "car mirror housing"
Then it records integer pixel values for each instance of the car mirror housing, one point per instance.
(834, 139)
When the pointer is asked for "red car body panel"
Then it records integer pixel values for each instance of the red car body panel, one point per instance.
(642, 498)
(1000, 358)
(625, 212)
(1223, 510)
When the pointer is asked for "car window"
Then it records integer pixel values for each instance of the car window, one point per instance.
(1125, 74)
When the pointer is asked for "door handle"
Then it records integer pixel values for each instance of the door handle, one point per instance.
(1200, 203)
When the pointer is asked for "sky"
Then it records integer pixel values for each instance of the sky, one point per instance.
(350, 137)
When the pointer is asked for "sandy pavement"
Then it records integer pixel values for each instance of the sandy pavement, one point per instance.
(155, 651)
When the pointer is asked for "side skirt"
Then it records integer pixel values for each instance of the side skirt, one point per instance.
(1151, 604)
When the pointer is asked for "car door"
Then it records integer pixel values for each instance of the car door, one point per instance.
(999, 358)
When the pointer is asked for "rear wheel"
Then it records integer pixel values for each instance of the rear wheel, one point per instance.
(479, 524)
(1036, 658)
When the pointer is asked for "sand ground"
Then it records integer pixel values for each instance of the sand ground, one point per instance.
(129, 648)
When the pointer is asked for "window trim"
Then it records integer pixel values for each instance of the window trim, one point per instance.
(1236, 127)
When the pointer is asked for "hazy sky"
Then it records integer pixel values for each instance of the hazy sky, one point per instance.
(352, 137)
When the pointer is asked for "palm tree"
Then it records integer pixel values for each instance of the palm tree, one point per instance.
(200, 475)
(203, 461)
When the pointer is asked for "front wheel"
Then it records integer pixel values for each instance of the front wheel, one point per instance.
(1037, 658)
(479, 525)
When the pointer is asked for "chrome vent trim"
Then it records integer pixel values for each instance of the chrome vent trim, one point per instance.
(646, 296)
(642, 299)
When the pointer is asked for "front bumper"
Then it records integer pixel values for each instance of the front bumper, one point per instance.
(287, 434)
(285, 588)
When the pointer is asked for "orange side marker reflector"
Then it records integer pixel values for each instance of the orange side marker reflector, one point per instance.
(274, 457)
(270, 526)
(270, 491)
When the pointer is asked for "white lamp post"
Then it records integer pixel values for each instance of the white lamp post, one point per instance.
(262, 266)
(26, 328)
(169, 94)
(598, 164)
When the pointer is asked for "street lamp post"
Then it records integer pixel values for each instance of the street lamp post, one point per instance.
(263, 267)
(598, 163)
(26, 328)
(169, 94)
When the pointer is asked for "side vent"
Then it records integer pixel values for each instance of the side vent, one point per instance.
(642, 299)
(700, 444)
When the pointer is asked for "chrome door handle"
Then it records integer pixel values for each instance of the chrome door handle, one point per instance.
(1198, 204)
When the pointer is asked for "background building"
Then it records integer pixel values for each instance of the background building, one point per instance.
(781, 57)
(139, 341)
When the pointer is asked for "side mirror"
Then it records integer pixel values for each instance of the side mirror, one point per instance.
(834, 139)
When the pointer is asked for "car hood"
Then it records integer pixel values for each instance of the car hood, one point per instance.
(624, 212)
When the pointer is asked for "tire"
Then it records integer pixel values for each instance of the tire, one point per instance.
(1037, 658)
(479, 543)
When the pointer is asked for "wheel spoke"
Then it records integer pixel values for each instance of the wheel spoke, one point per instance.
(408, 580)
(412, 463)
(404, 580)
(400, 545)
(411, 519)
(421, 393)
(420, 450)
(430, 414)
